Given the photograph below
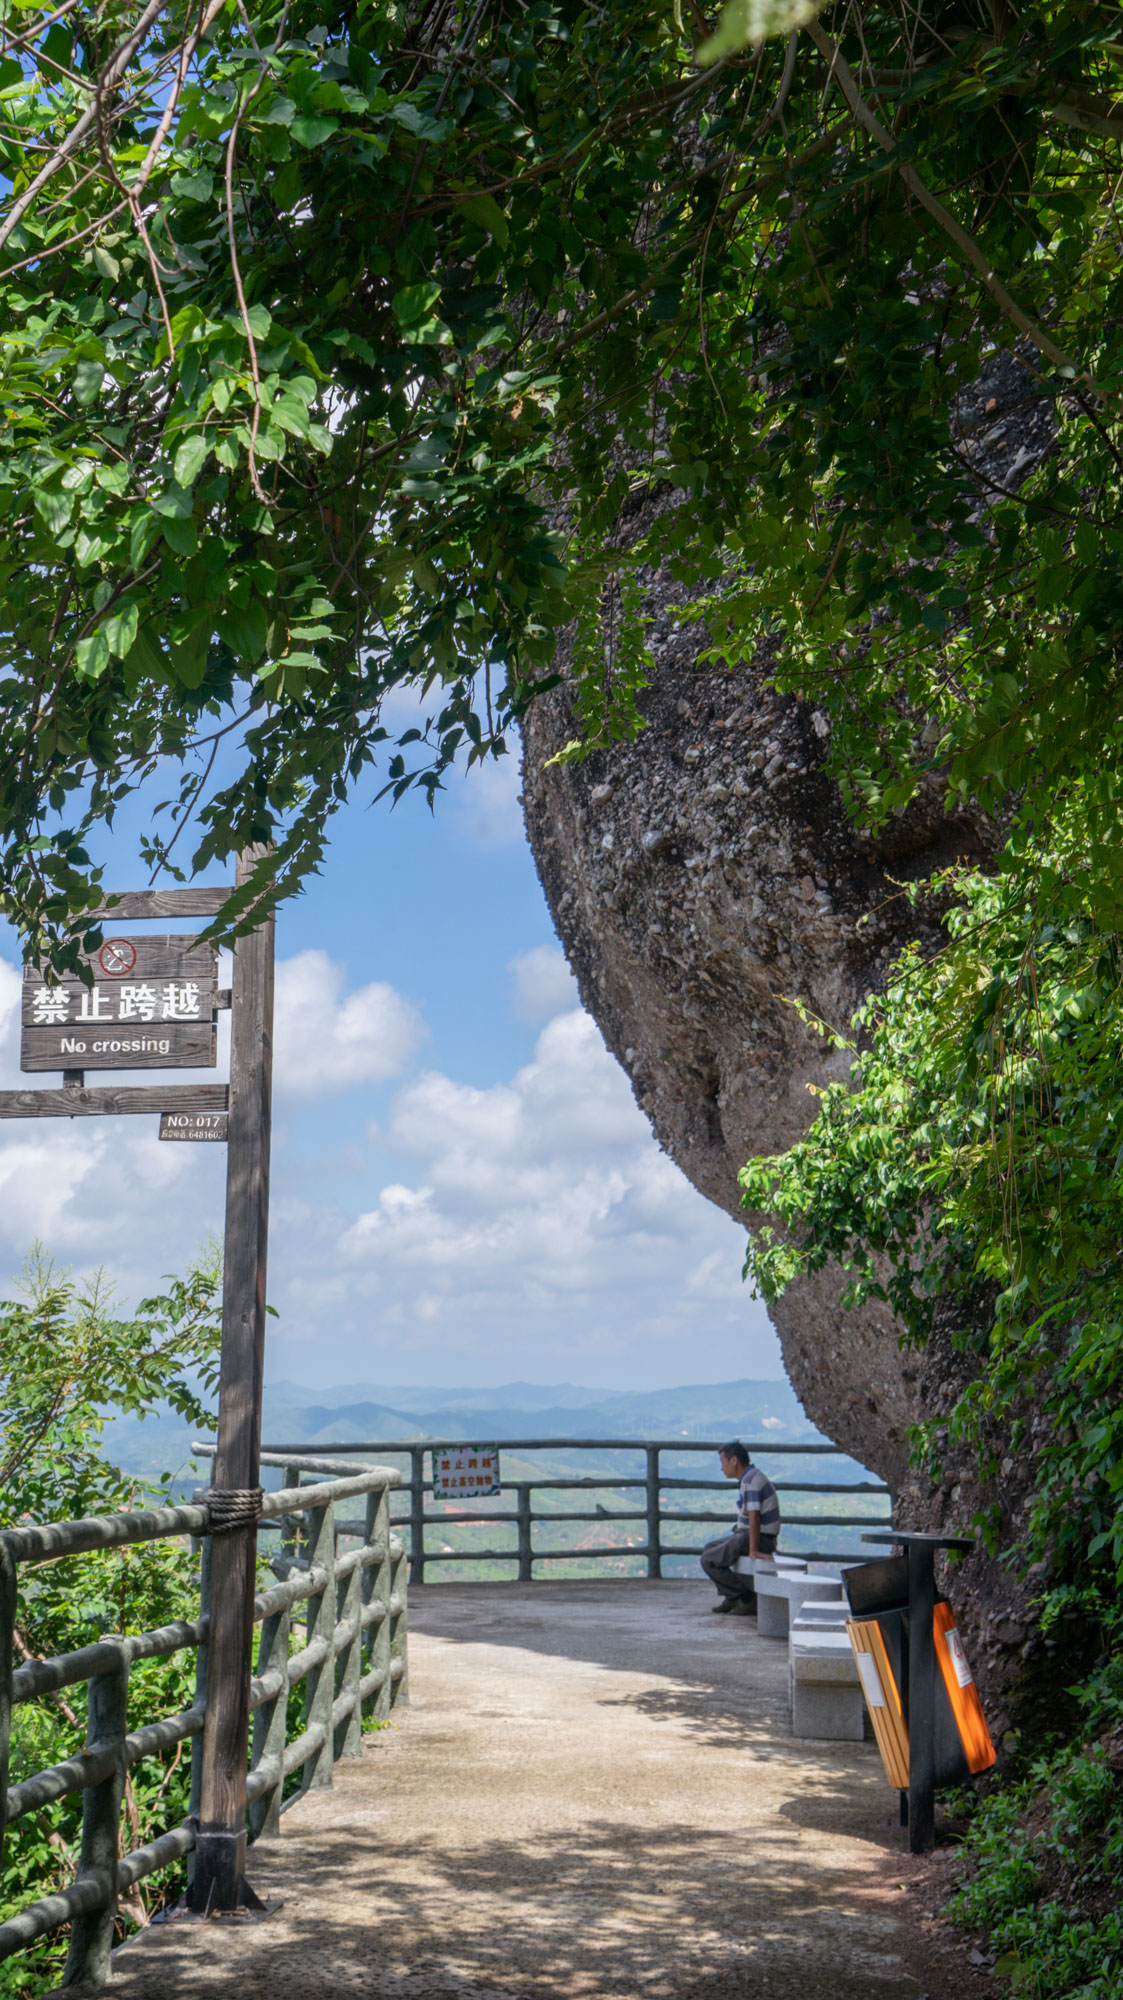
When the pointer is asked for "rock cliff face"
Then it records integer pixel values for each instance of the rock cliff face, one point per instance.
(702, 878)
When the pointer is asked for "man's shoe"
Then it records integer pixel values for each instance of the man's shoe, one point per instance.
(725, 1604)
(743, 1607)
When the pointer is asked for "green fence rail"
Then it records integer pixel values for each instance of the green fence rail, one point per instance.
(652, 1483)
(354, 1665)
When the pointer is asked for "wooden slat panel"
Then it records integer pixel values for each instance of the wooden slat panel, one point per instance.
(130, 1098)
(889, 1725)
(134, 903)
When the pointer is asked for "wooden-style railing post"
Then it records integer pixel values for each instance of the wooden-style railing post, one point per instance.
(376, 1590)
(417, 1515)
(654, 1558)
(349, 1734)
(321, 1625)
(7, 1630)
(290, 1523)
(399, 1623)
(203, 1549)
(522, 1524)
(91, 1934)
(270, 1722)
(220, 1855)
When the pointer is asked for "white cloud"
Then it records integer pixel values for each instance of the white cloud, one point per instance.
(328, 1040)
(486, 809)
(544, 984)
(541, 1212)
(531, 1228)
(95, 1189)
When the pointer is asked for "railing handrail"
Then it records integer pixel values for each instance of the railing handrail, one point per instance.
(356, 1601)
(653, 1482)
(287, 1452)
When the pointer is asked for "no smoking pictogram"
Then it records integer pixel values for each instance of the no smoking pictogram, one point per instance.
(117, 958)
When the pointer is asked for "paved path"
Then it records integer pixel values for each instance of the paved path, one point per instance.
(594, 1795)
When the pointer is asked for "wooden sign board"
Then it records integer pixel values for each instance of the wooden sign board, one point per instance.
(151, 1006)
(464, 1471)
(213, 1125)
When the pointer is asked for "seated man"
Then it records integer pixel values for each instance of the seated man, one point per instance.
(756, 1533)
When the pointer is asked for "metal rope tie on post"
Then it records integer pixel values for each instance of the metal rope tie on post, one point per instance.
(230, 1507)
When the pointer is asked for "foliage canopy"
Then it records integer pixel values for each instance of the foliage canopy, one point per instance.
(315, 316)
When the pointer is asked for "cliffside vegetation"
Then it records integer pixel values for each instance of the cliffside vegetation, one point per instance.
(66, 1352)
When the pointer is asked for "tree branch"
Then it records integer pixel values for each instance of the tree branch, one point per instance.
(966, 246)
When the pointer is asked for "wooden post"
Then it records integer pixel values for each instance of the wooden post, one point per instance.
(654, 1557)
(522, 1525)
(220, 1857)
(91, 1934)
(417, 1516)
(270, 1722)
(376, 1589)
(349, 1735)
(7, 1633)
(320, 1681)
(203, 1547)
(399, 1623)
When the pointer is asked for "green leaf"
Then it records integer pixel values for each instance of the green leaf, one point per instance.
(750, 22)
(189, 645)
(245, 631)
(88, 378)
(196, 186)
(93, 655)
(181, 536)
(415, 302)
(120, 630)
(54, 510)
(191, 458)
(311, 132)
(106, 263)
(484, 210)
(145, 531)
(291, 414)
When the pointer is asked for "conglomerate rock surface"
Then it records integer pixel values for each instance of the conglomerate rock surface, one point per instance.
(702, 878)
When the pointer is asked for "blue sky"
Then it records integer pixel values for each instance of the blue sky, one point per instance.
(463, 1188)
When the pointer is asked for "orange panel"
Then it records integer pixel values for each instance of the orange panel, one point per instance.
(962, 1692)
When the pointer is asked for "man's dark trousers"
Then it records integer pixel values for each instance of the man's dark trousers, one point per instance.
(719, 1561)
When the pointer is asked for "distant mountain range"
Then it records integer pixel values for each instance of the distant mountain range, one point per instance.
(375, 1413)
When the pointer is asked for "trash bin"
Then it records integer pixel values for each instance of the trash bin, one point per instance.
(880, 1635)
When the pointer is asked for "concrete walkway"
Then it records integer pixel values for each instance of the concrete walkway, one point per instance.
(594, 1792)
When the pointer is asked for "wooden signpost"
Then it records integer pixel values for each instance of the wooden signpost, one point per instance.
(152, 1003)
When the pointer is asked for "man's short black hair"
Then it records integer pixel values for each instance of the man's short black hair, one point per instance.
(736, 1450)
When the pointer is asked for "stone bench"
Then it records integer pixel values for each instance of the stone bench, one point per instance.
(779, 1595)
(827, 1700)
(769, 1565)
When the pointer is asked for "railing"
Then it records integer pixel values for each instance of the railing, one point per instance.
(354, 1663)
(653, 1483)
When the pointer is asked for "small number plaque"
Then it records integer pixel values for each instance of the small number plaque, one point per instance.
(211, 1125)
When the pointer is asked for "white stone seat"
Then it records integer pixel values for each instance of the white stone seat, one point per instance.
(827, 1701)
(769, 1565)
(778, 1596)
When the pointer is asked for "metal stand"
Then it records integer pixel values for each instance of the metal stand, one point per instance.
(918, 1680)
